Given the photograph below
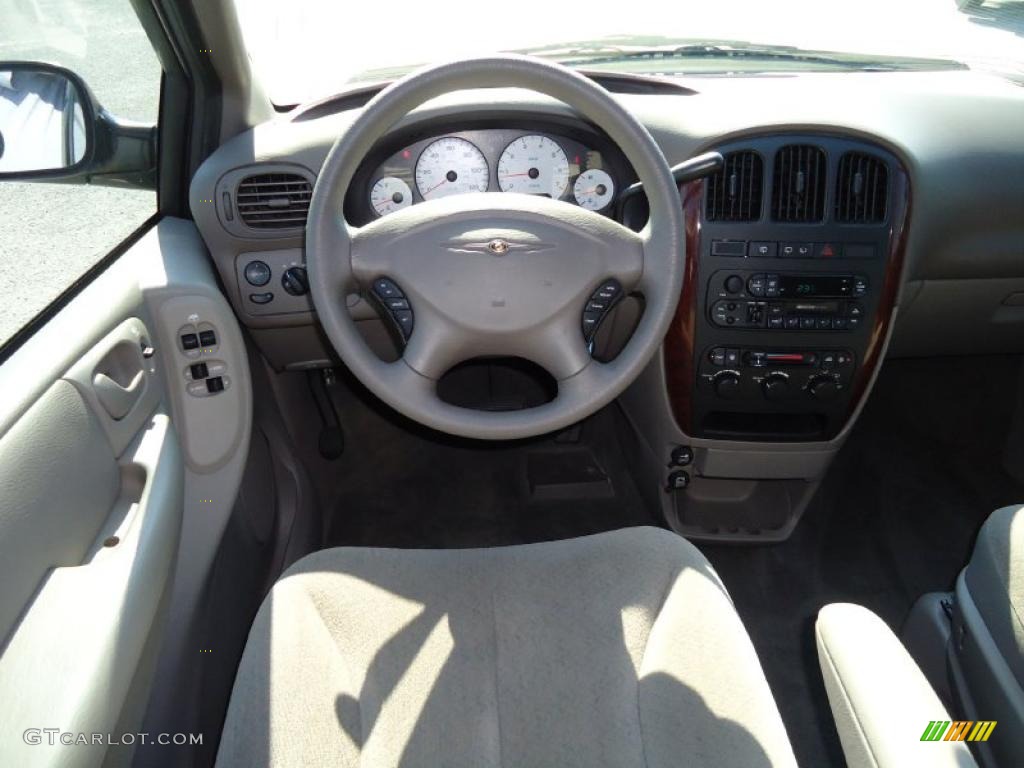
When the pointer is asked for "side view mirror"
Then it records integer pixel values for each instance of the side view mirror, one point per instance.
(53, 129)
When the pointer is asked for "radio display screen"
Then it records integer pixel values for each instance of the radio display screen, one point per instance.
(808, 286)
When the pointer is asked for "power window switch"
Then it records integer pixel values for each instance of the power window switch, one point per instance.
(207, 338)
(198, 371)
(189, 341)
(214, 385)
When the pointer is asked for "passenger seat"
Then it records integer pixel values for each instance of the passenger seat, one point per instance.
(966, 656)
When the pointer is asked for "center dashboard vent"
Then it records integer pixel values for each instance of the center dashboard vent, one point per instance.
(735, 192)
(274, 200)
(798, 189)
(862, 189)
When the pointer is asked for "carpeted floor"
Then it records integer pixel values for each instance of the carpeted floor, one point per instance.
(405, 486)
(895, 518)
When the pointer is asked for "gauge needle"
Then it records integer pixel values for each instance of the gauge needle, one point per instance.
(511, 175)
(442, 181)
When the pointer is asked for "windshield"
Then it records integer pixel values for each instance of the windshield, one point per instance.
(309, 49)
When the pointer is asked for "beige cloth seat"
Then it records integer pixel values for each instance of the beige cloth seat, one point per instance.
(619, 649)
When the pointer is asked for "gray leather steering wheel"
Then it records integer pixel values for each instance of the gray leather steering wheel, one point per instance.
(470, 300)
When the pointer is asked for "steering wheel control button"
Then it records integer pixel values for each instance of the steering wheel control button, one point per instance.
(257, 273)
(608, 291)
(598, 306)
(261, 298)
(295, 281)
(396, 304)
(681, 456)
(386, 289)
(404, 318)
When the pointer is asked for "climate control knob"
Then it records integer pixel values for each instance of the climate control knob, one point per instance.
(823, 388)
(776, 386)
(727, 385)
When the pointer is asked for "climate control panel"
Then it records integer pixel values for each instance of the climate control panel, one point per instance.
(776, 375)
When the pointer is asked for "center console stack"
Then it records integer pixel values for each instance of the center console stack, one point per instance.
(794, 256)
(795, 275)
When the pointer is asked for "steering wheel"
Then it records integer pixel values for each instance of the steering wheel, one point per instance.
(489, 274)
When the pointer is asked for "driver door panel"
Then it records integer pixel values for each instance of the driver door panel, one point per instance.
(93, 499)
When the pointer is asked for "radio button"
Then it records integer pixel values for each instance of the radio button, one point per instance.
(824, 324)
(792, 322)
(853, 323)
(756, 285)
(771, 286)
(807, 323)
(796, 250)
(764, 250)
(776, 322)
(728, 248)
(840, 323)
(733, 284)
(860, 285)
(853, 309)
(860, 251)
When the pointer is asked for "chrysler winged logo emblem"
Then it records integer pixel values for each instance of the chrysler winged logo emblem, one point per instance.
(482, 241)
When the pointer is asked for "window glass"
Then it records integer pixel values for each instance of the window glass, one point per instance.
(53, 233)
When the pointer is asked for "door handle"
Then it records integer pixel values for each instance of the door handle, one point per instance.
(117, 400)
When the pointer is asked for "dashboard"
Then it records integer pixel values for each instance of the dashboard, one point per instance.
(532, 159)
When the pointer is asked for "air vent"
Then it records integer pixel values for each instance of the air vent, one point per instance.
(734, 193)
(798, 191)
(861, 189)
(274, 200)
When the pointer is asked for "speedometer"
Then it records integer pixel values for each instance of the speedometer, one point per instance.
(451, 166)
(534, 165)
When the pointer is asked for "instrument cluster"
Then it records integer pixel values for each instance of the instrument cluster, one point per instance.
(494, 160)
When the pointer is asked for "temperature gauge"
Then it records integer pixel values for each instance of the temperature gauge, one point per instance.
(594, 189)
(389, 194)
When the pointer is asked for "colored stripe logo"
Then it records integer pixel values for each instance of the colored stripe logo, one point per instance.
(958, 730)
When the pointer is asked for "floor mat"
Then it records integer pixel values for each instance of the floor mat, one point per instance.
(400, 485)
(896, 517)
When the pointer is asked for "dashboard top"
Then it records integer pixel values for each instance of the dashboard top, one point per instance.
(957, 134)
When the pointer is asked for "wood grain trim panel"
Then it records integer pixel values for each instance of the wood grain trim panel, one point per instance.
(680, 341)
(898, 228)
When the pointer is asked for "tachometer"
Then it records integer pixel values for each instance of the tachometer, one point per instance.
(534, 165)
(389, 194)
(594, 189)
(451, 166)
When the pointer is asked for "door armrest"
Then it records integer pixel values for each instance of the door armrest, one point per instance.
(882, 703)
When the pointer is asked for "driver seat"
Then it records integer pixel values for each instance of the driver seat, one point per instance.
(617, 649)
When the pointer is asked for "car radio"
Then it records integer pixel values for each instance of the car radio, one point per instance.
(786, 301)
